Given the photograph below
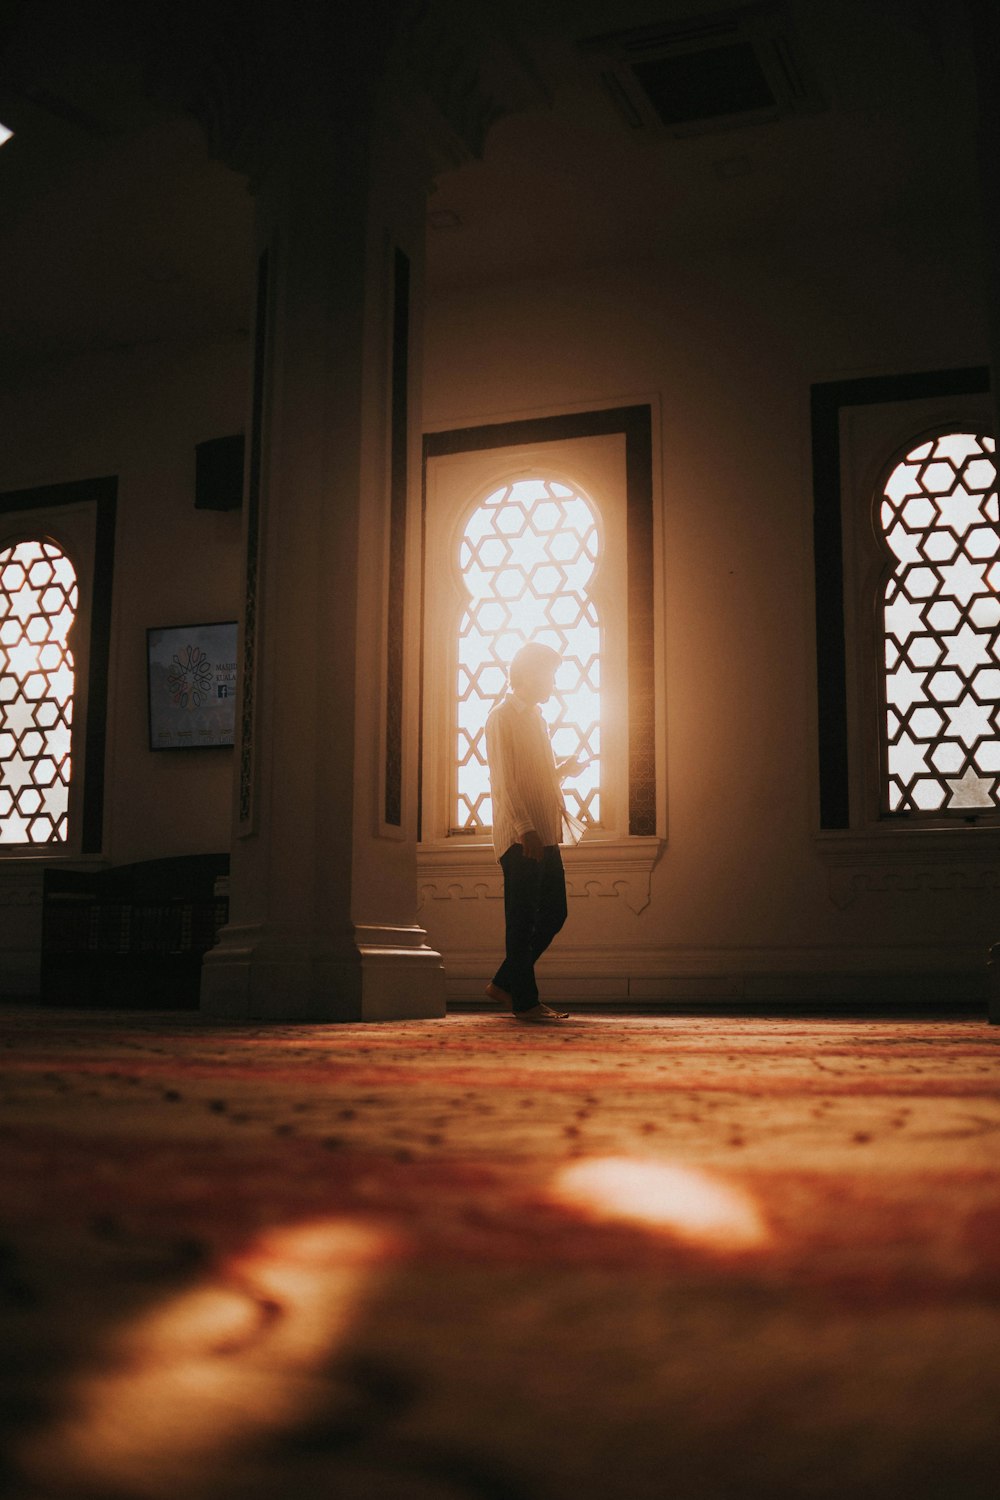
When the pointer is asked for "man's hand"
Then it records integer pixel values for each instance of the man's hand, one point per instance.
(532, 845)
(572, 765)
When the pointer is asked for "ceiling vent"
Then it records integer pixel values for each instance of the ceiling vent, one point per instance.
(711, 72)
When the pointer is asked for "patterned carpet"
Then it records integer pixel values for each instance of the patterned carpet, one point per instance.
(632, 1256)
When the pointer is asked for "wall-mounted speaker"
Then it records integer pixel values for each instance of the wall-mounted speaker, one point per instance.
(218, 474)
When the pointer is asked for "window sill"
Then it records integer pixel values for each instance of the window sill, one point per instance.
(894, 858)
(464, 870)
(24, 859)
(22, 875)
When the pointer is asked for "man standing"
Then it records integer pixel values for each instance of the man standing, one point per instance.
(527, 827)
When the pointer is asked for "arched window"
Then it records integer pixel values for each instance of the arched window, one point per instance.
(939, 617)
(541, 529)
(528, 556)
(38, 603)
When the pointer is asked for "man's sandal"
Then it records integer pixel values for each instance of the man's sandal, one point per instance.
(539, 1012)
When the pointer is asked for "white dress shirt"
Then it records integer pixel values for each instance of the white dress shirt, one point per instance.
(524, 783)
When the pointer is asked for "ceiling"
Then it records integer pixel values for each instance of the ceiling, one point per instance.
(116, 229)
(892, 138)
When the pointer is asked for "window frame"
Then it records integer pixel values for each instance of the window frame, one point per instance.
(849, 569)
(641, 810)
(876, 677)
(46, 512)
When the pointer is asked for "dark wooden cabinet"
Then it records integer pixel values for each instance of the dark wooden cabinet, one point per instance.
(133, 936)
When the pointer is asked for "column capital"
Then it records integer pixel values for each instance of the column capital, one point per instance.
(248, 70)
(454, 71)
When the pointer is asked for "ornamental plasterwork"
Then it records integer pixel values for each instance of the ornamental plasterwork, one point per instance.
(909, 861)
(620, 871)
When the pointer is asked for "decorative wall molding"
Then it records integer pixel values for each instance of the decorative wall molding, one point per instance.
(847, 884)
(452, 885)
(910, 859)
(619, 868)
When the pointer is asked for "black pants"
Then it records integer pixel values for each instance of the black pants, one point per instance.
(534, 898)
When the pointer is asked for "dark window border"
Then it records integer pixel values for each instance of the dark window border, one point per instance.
(635, 423)
(827, 401)
(251, 568)
(392, 807)
(104, 492)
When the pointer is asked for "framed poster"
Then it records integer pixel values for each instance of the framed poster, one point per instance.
(192, 686)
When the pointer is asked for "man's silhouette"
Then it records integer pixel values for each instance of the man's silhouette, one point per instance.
(527, 827)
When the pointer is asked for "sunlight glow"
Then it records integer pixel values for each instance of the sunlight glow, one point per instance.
(5, 135)
(693, 1206)
(229, 1361)
(528, 556)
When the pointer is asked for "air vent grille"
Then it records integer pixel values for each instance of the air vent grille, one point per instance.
(714, 72)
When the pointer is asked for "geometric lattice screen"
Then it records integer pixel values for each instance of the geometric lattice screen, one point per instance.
(941, 629)
(38, 599)
(528, 557)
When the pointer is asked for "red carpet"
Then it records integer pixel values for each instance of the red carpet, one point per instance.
(436, 1261)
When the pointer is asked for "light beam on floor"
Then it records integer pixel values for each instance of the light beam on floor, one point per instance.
(235, 1358)
(691, 1205)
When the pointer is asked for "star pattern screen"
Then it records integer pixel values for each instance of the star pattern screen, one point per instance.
(38, 601)
(941, 629)
(528, 557)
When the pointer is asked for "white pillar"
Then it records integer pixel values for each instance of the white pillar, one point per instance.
(339, 118)
(323, 888)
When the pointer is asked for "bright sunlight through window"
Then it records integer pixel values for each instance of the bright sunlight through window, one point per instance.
(38, 599)
(940, 618)
(528, 557)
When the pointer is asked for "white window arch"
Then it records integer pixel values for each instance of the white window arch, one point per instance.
(939, 629)
(39, 598)
(56, 565)
(526, 542)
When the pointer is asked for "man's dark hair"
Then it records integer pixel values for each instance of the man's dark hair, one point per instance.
(533, 655)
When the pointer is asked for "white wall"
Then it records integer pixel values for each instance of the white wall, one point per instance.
(728, 346)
